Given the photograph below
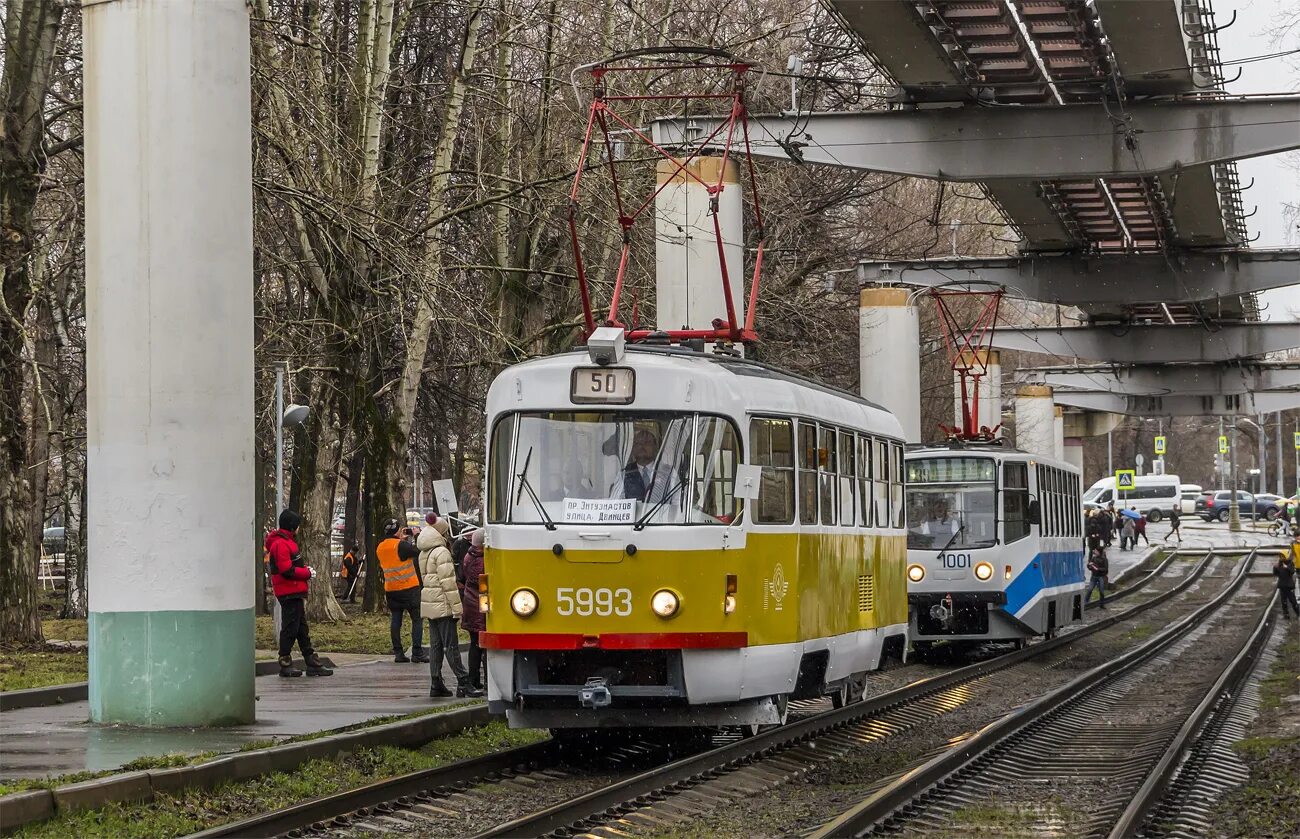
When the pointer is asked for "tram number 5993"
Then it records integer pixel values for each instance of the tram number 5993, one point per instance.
(955, 560)
(600, 601)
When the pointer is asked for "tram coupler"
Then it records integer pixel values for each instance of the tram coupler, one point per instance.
(595, 693)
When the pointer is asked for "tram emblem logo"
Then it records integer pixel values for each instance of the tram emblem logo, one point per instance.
(775, 589)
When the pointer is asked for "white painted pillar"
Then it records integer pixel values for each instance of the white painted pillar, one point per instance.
(1058, 432)
(889, 355)
(688, 275)
(1035, 420)
(169, 354)
(1074, 454)
(989, 389)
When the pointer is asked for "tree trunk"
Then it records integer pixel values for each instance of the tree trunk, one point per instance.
(318, 473)
(352, 500)
(30, 29)
(74, 594)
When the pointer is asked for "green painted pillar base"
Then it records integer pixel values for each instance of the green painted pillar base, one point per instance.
(172, 669)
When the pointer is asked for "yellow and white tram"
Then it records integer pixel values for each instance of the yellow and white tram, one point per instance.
(677, 538)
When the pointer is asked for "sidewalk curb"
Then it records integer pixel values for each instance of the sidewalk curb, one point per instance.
(19, 808)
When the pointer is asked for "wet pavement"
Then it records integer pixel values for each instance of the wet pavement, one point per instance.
(58, 739)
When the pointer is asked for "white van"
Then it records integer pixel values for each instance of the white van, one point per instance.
(1155, 496)
(1189, 494)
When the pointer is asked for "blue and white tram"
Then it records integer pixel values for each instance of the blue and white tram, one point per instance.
(995, 544)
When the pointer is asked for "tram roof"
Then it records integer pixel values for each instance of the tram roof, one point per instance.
(774, 390)
(958, 447)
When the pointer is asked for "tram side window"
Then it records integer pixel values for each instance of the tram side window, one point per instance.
(896, 486)
(1044, 508)
(1054, 525)
(807, 472)
(880, 480)
(1015, 501)
(772, 444)
(848, 457)
(826, 473)
(864, 480)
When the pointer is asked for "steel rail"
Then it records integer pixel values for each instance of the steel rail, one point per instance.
(697, 768)
(896, 795)
(317, 810)
(1149, 795)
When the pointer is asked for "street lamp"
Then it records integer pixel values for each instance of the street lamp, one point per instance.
(290, 417)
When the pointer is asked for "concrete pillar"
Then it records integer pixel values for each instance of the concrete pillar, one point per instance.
(1035, 420)
(889, 355)
(169, 355)
(990, 392)
(688, 275)
(1058, 432)
(1074, 454)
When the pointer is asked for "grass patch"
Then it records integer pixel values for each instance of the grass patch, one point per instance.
(1140, 632)
(34, 668)
(193, 810)
(1282, 681)
(60, 629)
(1269, 803)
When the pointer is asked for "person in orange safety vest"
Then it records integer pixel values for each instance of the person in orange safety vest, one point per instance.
(398, 559)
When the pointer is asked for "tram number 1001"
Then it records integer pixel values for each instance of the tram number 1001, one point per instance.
(955, 560)
(601, 601)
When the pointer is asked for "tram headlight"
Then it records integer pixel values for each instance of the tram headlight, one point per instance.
(983, 571)
(916, 573)
(665, 603)
(523, 602)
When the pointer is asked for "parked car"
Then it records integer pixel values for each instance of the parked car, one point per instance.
(1215, 505)
(1188, 493)
(1271, 503)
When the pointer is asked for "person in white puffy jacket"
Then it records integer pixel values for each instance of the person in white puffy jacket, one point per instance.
(440, 603)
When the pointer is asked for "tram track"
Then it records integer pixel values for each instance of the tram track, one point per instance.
(1066, 763)
(450, 800)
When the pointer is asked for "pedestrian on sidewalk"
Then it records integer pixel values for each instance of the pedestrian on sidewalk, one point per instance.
(1175, 522)
(440, 603)
(1285, 572)
(290, 577)
(1099, 567)
(1127, 534)
(1140, 529)
(1111, 524)
(1097, 527)
(472, 618)
(398, 558)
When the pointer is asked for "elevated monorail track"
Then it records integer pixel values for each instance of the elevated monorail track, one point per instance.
(643, 785)
(1098, 752)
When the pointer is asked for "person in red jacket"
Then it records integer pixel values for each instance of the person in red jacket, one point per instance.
(290, 576)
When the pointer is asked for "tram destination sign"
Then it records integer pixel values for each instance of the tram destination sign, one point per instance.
(602, 385)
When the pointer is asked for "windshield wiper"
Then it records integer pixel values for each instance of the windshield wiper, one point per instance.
(525, 485)
(961, 528)
(640, 523)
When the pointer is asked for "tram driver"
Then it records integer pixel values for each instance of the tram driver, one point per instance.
(940, 523)
(644, 478)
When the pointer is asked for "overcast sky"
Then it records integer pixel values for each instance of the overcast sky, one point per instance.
(1275, 181)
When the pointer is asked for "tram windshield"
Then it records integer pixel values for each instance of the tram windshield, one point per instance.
(610, 467)
(951, 503)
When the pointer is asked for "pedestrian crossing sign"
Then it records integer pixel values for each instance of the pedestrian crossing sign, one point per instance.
(1125, 479)
(1223, 444)
(1160, 445)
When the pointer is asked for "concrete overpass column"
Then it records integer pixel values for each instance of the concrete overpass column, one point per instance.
(1074, 454)
(889, 355)
(688, 274)
(1058, 432)
(989, 389)
(169, 354)
(1035, 420)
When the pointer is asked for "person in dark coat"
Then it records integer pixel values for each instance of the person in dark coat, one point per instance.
(1285, 572)
(290, 577)
(472, 619)
(1099, 567)
(1140, 529)
(1175, 522)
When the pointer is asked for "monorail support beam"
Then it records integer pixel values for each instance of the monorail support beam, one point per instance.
(889, 355)
(1183, 276)
(1035, 420)
(976, 143)
(1223, 405)
(1183, 379)
(1155, 344)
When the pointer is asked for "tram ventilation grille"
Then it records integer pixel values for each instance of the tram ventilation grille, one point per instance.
(866, 593)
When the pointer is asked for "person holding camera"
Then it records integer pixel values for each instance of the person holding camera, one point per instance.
(398, 558)
(290, 577)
